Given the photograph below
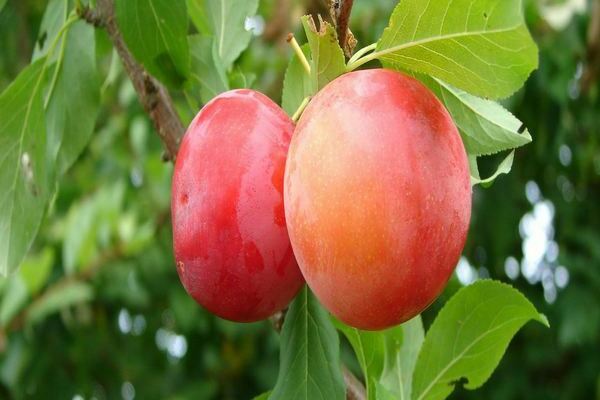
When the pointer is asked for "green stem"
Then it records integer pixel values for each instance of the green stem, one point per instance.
(299, 53)
(361, 52)
(300, 109)
(363, 60)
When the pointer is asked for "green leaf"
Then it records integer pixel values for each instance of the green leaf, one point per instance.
(296, 83)
(469, 337)
(208, 74)
(485, 126)
(54, 17)
(370, 349)
(2, 4)
(327, 58)
(74, 292)
(310, 358)
(198, 15)
(481, 46)
(228, 26)
(503, 168)
(36, 269)
(155, 31)
(387, 358)
(75, 100)
(23, 168)
(401, 358)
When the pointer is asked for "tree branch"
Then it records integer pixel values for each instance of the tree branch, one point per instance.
(153, 96)
(340, 14)
(592, 67)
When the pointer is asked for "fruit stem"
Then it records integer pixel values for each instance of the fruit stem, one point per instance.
(299, 53)
(353, 64)
(362, 52)
(300, 109)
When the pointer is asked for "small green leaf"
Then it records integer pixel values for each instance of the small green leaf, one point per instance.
(24, 172)
(208, 74)
(155, 31)
(327, 58)
(503, 168)
(310, 358)
(54, 301)
(228, 19)
(481, 46)
(387, 358)
(263, 396)
(469, 337)
(54, 17)
(75, 99)
(485, 126)
(296, 83)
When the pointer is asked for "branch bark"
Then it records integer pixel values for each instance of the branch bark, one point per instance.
(153, 96)
(592, 67)
(339, 11)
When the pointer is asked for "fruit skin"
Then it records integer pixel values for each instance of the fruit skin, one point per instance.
(230, 238)
(378, 197)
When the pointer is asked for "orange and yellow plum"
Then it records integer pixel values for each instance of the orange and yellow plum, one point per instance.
(377, 197)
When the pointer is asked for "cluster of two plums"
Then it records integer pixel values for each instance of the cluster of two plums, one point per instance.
(367, 198)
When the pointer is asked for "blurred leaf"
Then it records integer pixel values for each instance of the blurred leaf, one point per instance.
(228, 18)
(208, 73)
(54, 17)
(155, 31)
(197, 13)
(75, 100)
(36, 269)
(296, 83)
(79, 245)
(15, 297)
(387, 358)
(503, 168)
(310, 359)
(327, 58)
(2, 4)
(485, 126)
(469, 337)
(55, 300)
(23, 168)
(481, 46)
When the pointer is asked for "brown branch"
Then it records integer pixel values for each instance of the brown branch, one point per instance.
(153, 96)
(592, 67)
(355, 390)
(339, 11)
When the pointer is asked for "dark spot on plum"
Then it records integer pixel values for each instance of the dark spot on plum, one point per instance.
(184, 199)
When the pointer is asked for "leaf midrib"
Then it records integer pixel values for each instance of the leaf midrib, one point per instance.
(421, 42)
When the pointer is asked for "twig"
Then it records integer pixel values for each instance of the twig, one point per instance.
(354, 388)
(339, 11)
(592, 67)
(153, 96)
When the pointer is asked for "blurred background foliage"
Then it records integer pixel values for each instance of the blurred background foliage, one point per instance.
(97, 310)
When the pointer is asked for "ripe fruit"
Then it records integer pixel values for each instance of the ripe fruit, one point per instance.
(230, 239)
(378, 197)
